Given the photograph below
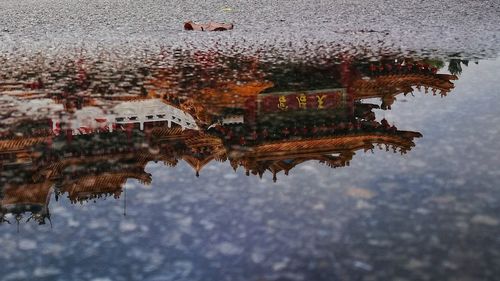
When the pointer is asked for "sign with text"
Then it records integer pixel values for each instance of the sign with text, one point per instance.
(304, 100)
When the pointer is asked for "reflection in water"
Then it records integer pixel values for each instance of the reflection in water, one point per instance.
(82, 130)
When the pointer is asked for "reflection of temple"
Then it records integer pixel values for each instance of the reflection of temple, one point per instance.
(262, 122)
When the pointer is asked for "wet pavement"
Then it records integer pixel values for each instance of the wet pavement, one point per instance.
(133, 150)
(288, 26)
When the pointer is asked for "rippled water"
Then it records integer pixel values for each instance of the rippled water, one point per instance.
(200, 165)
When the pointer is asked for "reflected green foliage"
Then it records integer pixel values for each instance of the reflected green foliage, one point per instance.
(437, 63)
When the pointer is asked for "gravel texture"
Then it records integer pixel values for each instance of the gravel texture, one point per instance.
(459, 26)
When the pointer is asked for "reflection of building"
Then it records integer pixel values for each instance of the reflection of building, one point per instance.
(270, 122)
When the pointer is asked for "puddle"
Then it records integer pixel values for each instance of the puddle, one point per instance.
(198, 165)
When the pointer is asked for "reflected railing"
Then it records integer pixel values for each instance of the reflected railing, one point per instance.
(81, 131)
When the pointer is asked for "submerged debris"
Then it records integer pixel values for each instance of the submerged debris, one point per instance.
(211, 26)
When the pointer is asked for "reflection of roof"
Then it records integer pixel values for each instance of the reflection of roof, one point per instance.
(335, 151)
(348, 142)
(387, 86)
(233, 95)
(204, 148)
(21, 143)
(81, 168)
(84, 177)
(29, 194)
(95, 186)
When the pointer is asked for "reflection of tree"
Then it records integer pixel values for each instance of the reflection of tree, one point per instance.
(437, 63)
(455, 66)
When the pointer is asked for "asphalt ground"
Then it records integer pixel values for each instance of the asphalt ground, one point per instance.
(469, 28)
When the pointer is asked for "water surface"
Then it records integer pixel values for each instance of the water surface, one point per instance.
(198, 165)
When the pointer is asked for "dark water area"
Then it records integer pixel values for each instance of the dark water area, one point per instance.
(198, 165)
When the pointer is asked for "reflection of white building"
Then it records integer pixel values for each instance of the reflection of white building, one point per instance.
(15, 107)
(150, 111)
(89, 119)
